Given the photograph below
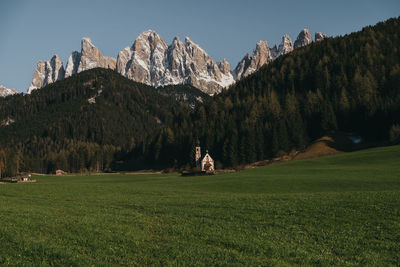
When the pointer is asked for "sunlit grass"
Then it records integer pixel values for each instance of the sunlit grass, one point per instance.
(337, 210)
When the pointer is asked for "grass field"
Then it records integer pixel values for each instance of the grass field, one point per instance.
(337, 210)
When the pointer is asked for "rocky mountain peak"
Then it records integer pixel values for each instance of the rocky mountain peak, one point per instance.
(249, 64)
(224, 67)
(4, 91)
(86, 44)
(56, 65)
(319, 36)
(304, 38)
(72, 64)
(286, 45)
(91, 57)
(144, 61)
(149, 40)
(47, 72)
(192, 48)
(151, 61)
(262, 54)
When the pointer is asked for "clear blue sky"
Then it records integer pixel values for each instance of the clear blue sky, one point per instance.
(35, 30)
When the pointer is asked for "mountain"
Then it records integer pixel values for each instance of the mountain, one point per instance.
(90, 57)
(249, 64)
(6, 91)
(151, 61)
(47, 72)
(304, 38)
(263, 54)
(51, 71)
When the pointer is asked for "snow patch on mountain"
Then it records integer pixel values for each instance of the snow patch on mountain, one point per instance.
(4, 91)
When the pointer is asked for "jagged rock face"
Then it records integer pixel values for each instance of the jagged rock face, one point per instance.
(151, 61)
(261, 55)
(47, 72)
(144, 61)
(123, 58)
(91, 57)
(304, 38)
(50, 71)
(4, 91)
(201, 70)
(72, 64)
(249, 64)
(264, 55)
(224, 67)
(286, 45)
(242, 66)
(57, 68)
(319, 36)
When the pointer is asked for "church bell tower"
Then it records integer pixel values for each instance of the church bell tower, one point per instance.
(198, 155)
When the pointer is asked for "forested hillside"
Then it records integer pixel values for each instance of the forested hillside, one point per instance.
(80, 123)
(349, 83)
(97, 120)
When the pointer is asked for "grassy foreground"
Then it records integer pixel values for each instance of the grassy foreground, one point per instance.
(338, 210)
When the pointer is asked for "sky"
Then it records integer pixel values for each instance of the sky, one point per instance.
(36, 30)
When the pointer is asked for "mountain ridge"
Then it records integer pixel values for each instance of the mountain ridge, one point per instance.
(150, 60)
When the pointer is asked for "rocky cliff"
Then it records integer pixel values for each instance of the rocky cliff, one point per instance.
(262, 54)
(304, 38)
(90, 57)
(47, 72)
(319, 36)
(151, 61)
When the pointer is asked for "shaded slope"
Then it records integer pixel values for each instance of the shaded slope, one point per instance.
(94, 108)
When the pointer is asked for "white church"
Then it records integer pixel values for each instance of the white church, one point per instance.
(207, 163)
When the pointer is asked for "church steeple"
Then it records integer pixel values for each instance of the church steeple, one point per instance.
(198, 154)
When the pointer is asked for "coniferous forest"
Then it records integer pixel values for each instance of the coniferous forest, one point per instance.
(349, 84)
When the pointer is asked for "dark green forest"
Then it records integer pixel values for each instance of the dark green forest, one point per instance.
(57, 128)
(349, 84)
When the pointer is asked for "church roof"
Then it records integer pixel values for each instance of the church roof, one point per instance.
(207, 157)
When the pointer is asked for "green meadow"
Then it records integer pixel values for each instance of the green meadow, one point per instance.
(338, 210)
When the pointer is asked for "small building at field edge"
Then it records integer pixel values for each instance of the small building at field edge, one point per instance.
(207, 163)
(60, 172)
